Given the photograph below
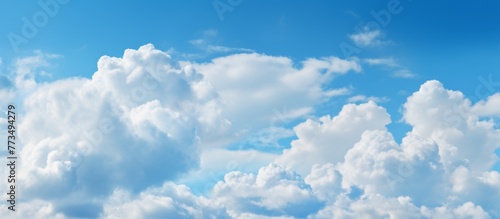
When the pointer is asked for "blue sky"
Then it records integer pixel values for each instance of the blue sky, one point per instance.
(242, 93)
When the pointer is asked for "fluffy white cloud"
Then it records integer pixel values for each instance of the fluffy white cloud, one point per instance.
(445, 116)
(133, 125)
(467, 210)
(374, 206)
(328, 140)
(216, 163)
(325, 181)
(489, 107)
(254, 86)
(478, 187)
(274, 191)
(168, 201)
(378, 165)
(414, 178)
(354, 150)
(109, 146)
(377, 206)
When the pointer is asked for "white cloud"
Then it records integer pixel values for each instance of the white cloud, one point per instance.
(467, 210)
(215, 163)
(478, 187)
(325, 181)
(338, 92)
(139, 114)
(207, 40)
(393, 174)
(377, 206)
(491, 178)
(26, 69)
(363, 98)
(489, 107)
(275, 190)
(327, 140)
(168, 201)
(254, 86)
(410, 180)
(367, 38)
(445, 116)
(111, 145)
(133, 125)
(225, 49)
(36, 209)
(378, 165)
(389, 62)
(466, 144)
(404, 73)
(373, 206)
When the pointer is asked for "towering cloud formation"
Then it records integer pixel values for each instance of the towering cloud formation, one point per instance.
(133, 125)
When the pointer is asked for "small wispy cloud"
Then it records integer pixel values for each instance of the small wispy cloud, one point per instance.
(363, 98)
(27, 64)
(398, 71)
(389, 62)
(338, 92)
(225, 49)
(404, 73)
(27, 68)
(367, 38)
(210, 33)
(207, 43)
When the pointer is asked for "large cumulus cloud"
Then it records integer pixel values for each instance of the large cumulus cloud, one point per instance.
(133, 125)
(376, 177)
(113, 146)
